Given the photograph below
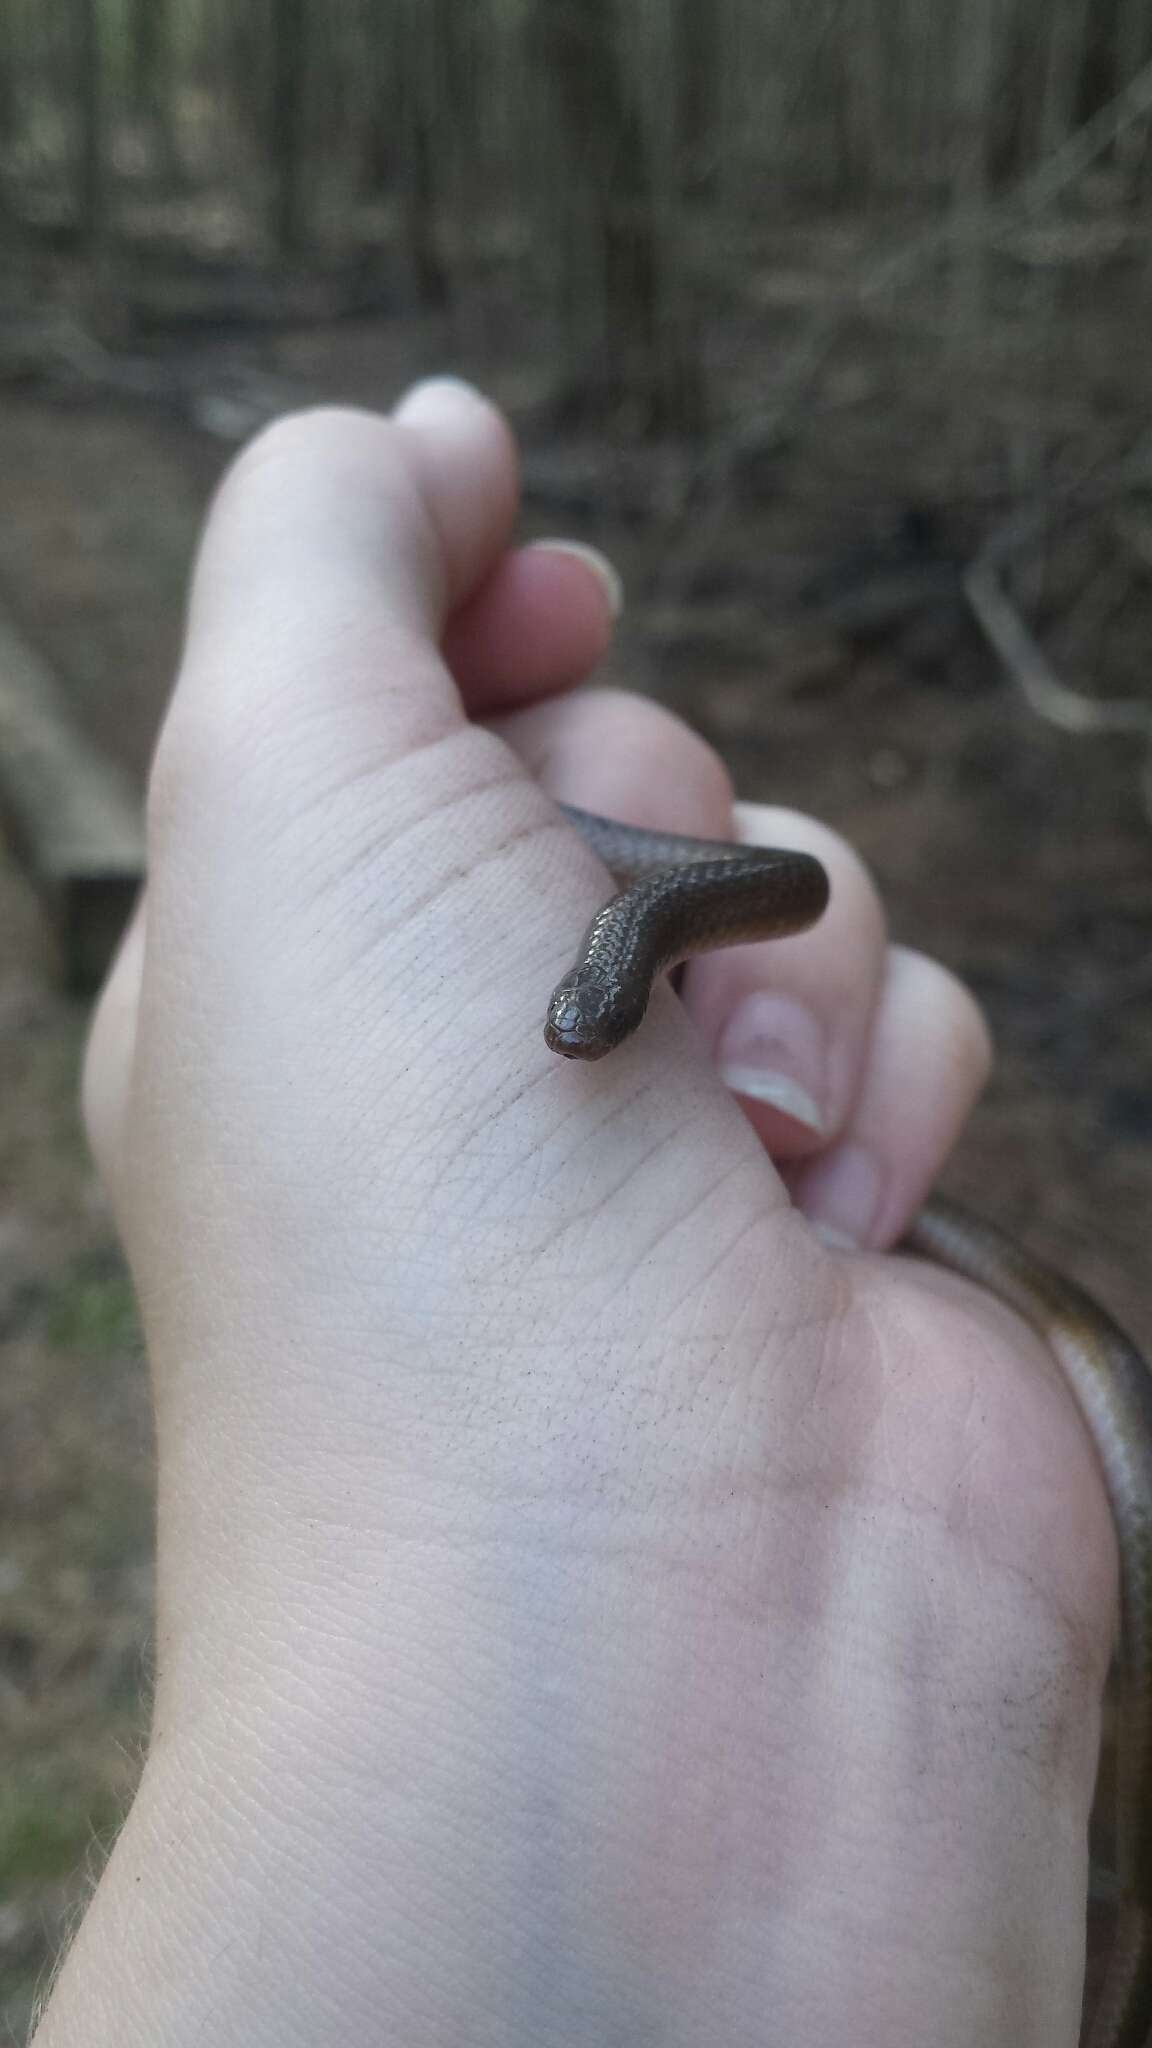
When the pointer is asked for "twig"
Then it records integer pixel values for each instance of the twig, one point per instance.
(1030, 668)
(72, 813)
(1074, 156)
(1047, 695)
(801, 367)
(1033, 193)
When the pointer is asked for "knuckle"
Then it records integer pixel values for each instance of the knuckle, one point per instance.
(297, 443)
(623, 722)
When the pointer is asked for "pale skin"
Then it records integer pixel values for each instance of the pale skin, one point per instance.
(593, 1608)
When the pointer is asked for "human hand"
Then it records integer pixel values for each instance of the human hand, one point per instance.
(591, 1608)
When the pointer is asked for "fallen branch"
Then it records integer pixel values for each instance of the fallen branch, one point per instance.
(1018, 649)
(1030, 668)
(72, 814)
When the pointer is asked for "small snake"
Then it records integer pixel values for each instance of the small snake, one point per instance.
(683, 896)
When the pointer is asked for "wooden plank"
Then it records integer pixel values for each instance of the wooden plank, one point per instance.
(73, 815)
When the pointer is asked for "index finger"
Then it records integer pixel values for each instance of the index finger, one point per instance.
(335, 550)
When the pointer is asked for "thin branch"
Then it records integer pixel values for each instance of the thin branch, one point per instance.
(1033, 673)
(1081, 150)
(1021, 654)
(708, 485)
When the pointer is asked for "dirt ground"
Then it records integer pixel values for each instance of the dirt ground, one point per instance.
(813, 627)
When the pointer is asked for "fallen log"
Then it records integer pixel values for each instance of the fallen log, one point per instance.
(73, 816)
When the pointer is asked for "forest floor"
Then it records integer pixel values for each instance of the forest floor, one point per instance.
(804, 609)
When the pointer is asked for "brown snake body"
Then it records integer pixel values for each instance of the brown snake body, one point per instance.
(685, 896)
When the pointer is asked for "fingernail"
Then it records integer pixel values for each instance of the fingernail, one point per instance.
(841, 1195)
(599, 564)
(772, 1050)
(430, 395)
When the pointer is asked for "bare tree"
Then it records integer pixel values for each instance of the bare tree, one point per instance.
(1133, 47)
(974, 69)
(91, 179)
(288, 73)
(699, 39)
(91, 154)
(424, 31)
(377, 153)
(152, 82)
(632, 135)
(1068, 47)
(606, 213)
(8, 62)
(866, 30)
(9, 101)
(406, 131)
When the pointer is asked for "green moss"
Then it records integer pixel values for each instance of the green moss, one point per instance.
(95, 1311)
(48, 1829)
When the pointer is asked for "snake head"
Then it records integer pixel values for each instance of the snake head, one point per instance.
(586, 1017)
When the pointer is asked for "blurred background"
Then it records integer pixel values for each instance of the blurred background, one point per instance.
(830, 324)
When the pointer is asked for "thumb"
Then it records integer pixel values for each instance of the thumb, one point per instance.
(337, 544)
(336, 547)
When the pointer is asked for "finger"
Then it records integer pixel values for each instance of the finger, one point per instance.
(324, 818)
(110, 1052)
(541, 621)
(789, 1021)
(335, 550)
(928, 1060)
(606, 750)
(308, 728)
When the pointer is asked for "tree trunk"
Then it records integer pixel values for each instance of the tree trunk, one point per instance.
(91, 160)
(1133, 48)
(151, 79)
(974, 57)
(613, 234)
(699, 35)
(424, 29)
(286, 123)
(1068, 27)
(8, 93)
(380, 147)
(9, 102)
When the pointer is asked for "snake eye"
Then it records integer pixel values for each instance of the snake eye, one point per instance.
(588, 1017)
(571, 1027)
(581, 1024)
